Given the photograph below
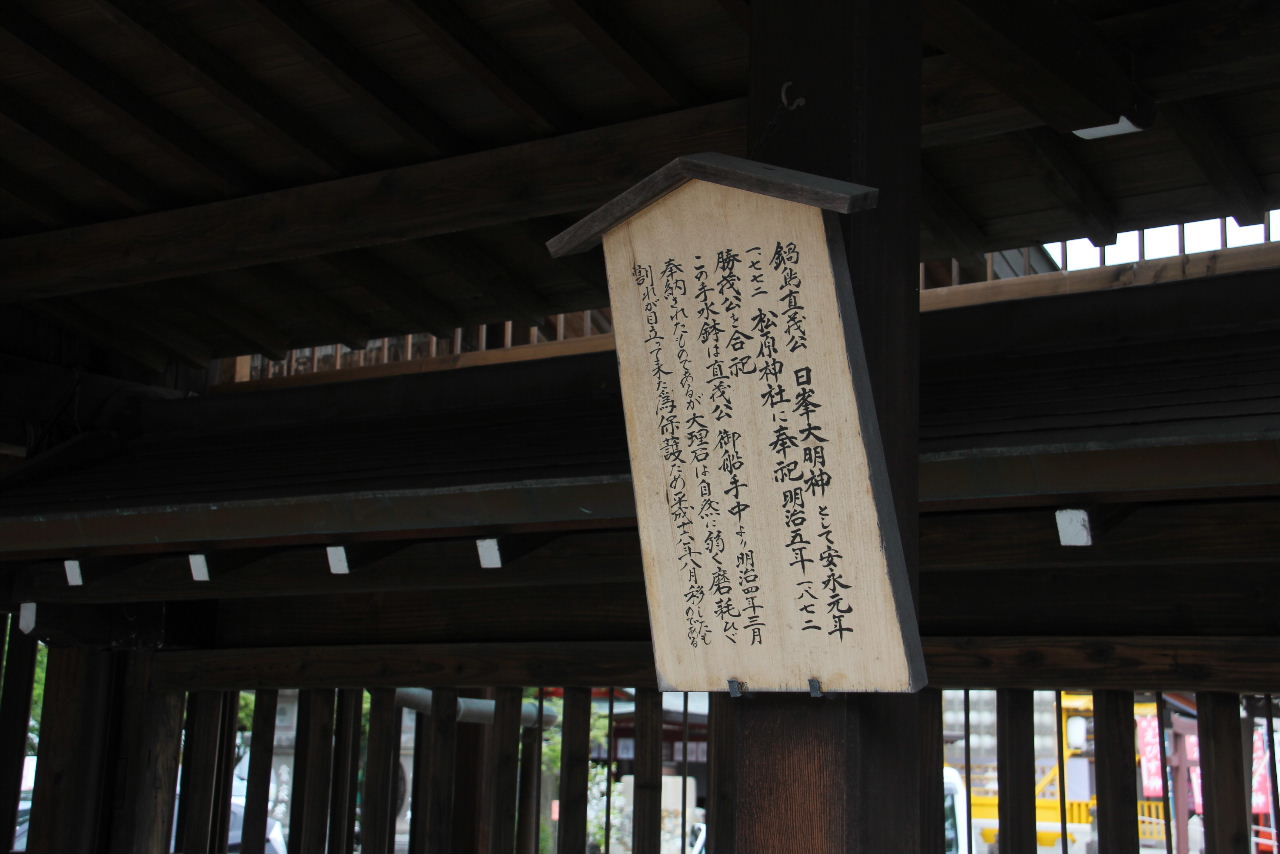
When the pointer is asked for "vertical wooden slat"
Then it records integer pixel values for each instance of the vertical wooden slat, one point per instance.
(200, 772)
(722, 749)
(346, 769)
(1060, 753)
(444, 747)
(575, 756)
(933, 833)
(377, 825)
(147, 777)
(67, 802)
(468, 782)
(1115, 775)
(420, 788)
(258, 787)
(1161, 716)
(225, 770)
(15, 713)
(503, 739)
(1223, 773)
(527, 815)
(1016, 758)
(312, 767)
(647, 808)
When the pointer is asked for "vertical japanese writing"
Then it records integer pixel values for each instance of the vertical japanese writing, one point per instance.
(667, 412)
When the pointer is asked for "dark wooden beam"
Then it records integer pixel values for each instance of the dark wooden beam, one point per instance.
(15, 718)
(397, 289)
(1063, 173)
(333, 319)
(258, 787)
(77, 320)
(497, 830)
(445, 196)
(647, 801)
(1225, 776)
(346, 771)
(609, 663)
(127, 105)
(293, 130)
(953, 228)
(438, 812)
(627, 51)
(483, 58)
(110, 174)
(69, 800)
(477, 266)
(1220, 157)
(199, 808)
(38, 202)
(575, 759)
(226, 308)
(120, 312)
(1117, 787)
(1072, 80)
(1016, 763)
(1238, 664)
(377, 818)
(312, 767)
(328, 51)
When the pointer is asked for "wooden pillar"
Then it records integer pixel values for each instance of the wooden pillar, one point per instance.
(575, 757)
(225, 770)
(467, 782)
(346, 768)
(647, 808)
(420, 788)
(1016, 757)
(69, 799)
(498, 830)
(527, 821)
(15, 713)
(835, 90)
(199, 808)
(444, 750)
(147, 778)
(312, 766)
(1116, 777)
(377, 821)
(258, 787)
(1223, 773)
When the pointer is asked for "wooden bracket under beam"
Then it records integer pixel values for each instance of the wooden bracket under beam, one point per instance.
(1067, 179)
(1043, 55)
(1220, 158)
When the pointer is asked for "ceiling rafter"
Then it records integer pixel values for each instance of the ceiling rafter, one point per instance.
(120, 310)
(115, 96)
(627, 51)
(394, 287)
(38, 201)
(1220, 158)
(328, 313)
(116, 177)
(1044, 56)
(225, 308)
(1070, 182)
(948, 220)
(71, 317)
(279, 120)
(478, 54)
(326, 49)
(426, 199)
(475, 264)
(587, 267)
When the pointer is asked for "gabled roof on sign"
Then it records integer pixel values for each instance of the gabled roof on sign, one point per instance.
(827, 193)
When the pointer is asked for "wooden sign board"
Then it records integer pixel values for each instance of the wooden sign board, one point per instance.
(771, 550)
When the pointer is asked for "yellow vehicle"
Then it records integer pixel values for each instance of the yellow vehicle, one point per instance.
(983, 810)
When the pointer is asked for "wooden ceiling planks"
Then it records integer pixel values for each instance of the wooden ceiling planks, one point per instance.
(119, 106)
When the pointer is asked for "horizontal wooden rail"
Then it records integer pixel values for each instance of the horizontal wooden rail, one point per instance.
(1239, 664)
(1175, 269)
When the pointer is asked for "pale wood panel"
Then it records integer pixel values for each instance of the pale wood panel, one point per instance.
(705, 632)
